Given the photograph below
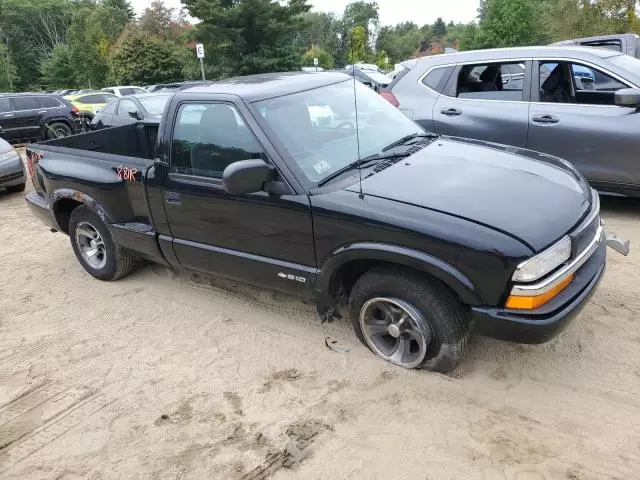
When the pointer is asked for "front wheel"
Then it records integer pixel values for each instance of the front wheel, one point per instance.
(95, 248)
(409, 320)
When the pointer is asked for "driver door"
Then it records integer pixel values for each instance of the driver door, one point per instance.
(261, 238)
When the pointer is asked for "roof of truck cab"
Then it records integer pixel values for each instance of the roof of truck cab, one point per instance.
(269, 85)
(553, 51)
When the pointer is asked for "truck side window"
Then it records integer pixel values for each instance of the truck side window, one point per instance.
(208, 137)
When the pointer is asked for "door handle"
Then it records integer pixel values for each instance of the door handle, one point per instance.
(545, 119)
(174, 198)
(451, 112)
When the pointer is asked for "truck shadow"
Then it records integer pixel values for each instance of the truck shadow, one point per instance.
(624, 205)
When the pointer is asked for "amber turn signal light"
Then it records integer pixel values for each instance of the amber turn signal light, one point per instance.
(518, 302)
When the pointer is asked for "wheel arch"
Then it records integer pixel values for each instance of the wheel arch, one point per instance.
(64, 201)
(344, 266)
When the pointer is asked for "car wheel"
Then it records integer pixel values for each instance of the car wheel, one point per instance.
(95, 248)
(17, 188)
(408, 319)
(58, 130)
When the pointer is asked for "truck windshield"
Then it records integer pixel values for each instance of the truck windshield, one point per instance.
(154, 104)
(628, 63)
(318, 127)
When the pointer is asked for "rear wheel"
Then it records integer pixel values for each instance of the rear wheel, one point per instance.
(95, 248)
(58, 130)
(409, 320)
(17, 188)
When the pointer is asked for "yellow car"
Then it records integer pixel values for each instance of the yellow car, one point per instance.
(86, 105)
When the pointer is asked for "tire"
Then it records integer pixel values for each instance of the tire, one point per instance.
(58, 130)
(17, 188)
(111, 261)
(430, 310)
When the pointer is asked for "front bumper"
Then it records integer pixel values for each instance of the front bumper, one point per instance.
(552, 318)
(12, 173)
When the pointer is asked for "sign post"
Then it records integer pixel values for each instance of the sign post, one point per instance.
(315, 63)
(200, 55)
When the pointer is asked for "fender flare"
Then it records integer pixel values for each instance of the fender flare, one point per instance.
(76, 195)
(415, 259)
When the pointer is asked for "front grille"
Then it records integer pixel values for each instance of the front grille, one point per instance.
(11, 177)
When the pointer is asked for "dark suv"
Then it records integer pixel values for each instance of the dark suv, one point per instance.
(26, 116)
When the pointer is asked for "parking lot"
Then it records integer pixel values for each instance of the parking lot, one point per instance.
(167, 376)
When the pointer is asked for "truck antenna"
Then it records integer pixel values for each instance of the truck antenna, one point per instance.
(355, 103)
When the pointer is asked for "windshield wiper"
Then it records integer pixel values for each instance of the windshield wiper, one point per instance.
(353, 165)
(406, 138)
(361, 163)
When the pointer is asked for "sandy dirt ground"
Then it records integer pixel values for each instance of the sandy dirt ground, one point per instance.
(165, 376)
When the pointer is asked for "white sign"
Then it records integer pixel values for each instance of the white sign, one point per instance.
(315, 61)
(386, 60)
(199, 50)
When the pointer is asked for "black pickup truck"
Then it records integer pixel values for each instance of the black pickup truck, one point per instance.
(274, 180)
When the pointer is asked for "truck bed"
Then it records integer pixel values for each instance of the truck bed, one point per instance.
(137, 140)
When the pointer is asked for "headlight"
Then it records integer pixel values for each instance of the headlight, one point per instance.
(10, 155)
(543, 263)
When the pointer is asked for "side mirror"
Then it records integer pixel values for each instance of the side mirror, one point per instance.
(135, 115)
(628, 97)
(246, 176)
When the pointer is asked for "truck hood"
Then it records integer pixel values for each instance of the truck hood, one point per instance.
(531, 196)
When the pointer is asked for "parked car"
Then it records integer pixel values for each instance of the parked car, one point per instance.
(544, 107)
(32, 116)
(89, 104)
(124, 91)
(12, 176)
(372, 79)
(438, 235)
(627, 43)
(179, 86)
(132, 109)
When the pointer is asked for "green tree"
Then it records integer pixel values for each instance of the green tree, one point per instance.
(321, 29)
(123, 5)
(381, 56)
(324, 59)
(30, 29)
(439, 29)
(57, 70)
(8, 70)
(482, 9)
(399, 41)
(363, 14)
(249, 36)
(358, 39)
(157, 19)
(91, 36)
(140, 58)
(510, 23)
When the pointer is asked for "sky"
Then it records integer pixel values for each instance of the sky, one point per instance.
(391, 11)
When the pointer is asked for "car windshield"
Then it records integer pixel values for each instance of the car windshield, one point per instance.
(154, 105)
(318, 127)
